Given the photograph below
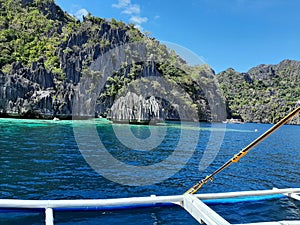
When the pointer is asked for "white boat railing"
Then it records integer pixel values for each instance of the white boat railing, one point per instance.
(191, 203)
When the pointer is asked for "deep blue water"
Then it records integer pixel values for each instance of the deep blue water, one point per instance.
(41, 160)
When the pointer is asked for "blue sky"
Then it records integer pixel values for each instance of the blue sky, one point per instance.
(225, 33)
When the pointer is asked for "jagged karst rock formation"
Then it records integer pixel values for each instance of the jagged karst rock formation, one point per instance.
(31, 93)
(42, 78)
(48, 68)
(264, 94)
(136, 109)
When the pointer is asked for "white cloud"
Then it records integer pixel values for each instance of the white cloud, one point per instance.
(156, 17)
(80, 13)
(138, 20)
(121, 4)
(138, 27)
(132, 9)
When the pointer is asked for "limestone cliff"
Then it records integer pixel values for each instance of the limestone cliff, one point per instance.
(53, 65)
(48, 63)
(264, 94)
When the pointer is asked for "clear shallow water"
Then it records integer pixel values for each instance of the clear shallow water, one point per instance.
(41, 160)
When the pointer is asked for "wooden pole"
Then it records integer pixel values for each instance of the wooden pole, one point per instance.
(244, 151)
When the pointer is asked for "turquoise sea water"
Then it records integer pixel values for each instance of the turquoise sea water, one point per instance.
(41, 160)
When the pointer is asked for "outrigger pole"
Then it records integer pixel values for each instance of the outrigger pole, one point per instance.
(244, 151)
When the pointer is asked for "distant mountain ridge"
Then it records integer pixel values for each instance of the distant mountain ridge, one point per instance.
(46, 53)
(264, 94)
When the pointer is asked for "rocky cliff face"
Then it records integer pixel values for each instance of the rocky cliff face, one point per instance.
(136, 109)
(32, 93)
(78, 69)
(264, 94)
(56, 73)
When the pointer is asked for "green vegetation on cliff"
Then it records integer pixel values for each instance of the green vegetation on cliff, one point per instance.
(45, 52)
(44, 45)
(264, 94)
(30, 30)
